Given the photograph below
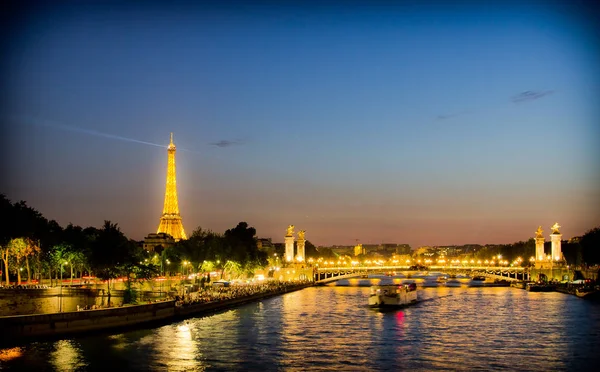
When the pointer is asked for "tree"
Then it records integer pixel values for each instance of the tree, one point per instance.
(56, 259)
(137, 273)
(251, 266)
(5, 251)
(31, 249)
(7, 232)
(207, 266)
(310, 251)
(76, 261)
(18, 249)
(110, 249)
(326, 253)
(241, 243)
(572, 252)
(590, 246)
(234, 268)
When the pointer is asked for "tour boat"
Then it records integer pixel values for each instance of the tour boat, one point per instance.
(393, 295)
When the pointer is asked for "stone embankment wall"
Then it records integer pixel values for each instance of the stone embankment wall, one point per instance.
(559, 273)
(16, 327)
(48, 300)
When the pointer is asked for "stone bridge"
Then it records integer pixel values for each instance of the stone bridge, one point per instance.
(323, 275)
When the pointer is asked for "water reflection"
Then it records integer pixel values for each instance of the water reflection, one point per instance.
(10, 354)
(331, 328)
(66, 356)
(183, 351)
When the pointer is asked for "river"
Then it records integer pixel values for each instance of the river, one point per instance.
(331, 329)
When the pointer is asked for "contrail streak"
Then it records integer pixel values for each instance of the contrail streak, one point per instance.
(98, 134)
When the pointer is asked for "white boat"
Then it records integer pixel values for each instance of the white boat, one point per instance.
(393, 295)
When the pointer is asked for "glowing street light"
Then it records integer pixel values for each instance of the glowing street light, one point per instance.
(61, 283)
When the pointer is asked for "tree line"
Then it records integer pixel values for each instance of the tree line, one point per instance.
(33, 247)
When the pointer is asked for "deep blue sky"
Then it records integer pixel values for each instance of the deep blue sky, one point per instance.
(402, 124)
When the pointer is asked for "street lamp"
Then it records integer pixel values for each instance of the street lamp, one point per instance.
(61, 283)
(183, 264)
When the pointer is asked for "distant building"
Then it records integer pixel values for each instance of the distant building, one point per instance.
(265, 244)
(371, 248)
(403, 249)
(358, 250)
(158, 242)
(388, 248)
(279, 248)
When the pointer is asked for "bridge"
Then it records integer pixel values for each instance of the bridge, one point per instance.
(324, 275)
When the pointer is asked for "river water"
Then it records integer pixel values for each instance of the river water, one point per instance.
(331, 329)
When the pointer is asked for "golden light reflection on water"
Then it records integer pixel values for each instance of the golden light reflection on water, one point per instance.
(361, 282)
(66, 356)
(119, 341)
(10, 354)
(182, 346)
(332, 328)
(183, 351)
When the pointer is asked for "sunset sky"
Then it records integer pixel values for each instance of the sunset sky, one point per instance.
(424, 124)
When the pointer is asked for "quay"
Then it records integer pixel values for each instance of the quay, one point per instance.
(19, 328)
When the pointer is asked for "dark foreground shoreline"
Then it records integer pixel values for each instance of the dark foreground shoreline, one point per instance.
(19, 328)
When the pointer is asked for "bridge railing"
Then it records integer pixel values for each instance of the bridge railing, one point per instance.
(429, 268)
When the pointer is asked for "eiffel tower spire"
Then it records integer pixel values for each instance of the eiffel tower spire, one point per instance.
(170, 221)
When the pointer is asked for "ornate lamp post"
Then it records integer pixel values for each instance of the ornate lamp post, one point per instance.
(61, 283)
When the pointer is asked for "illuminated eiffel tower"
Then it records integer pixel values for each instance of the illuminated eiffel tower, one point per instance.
(170, 221)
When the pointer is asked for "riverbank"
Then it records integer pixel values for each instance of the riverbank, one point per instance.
(583, 291)
(23, 327)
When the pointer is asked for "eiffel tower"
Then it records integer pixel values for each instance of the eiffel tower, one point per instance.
(170, 221)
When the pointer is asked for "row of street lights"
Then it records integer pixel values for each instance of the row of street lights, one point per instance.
(496, 260)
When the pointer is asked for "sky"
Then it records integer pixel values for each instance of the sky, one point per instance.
(426, 123)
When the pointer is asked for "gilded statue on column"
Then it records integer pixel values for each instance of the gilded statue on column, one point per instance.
(290, 230)
(301, 234)
(539, 233)
(555, 228)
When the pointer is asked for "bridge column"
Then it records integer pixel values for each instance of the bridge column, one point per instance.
(555, 237)
(289, 248)
(539, 247)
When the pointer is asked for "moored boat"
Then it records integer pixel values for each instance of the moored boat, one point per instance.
(587, 292)
(393, 295)
(540, 287)
(519, 284)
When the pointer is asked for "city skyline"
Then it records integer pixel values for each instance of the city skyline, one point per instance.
(416, 124)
